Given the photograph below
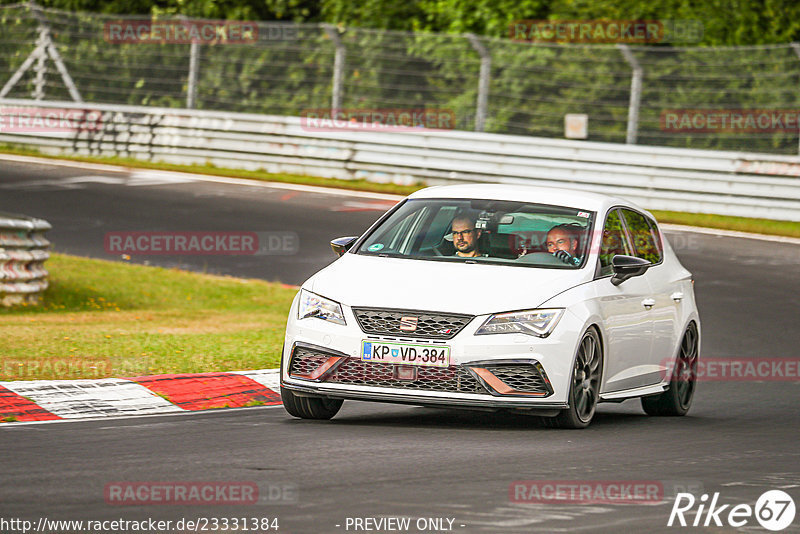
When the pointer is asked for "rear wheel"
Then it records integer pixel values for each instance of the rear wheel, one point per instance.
(309, 407)
(678, 398)
(584, 387)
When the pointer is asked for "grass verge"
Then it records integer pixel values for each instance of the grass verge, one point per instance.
(108, 319)
(722, 222)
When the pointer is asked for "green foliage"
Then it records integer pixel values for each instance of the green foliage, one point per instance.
(532, 86)
(726, 22)
(288, 10)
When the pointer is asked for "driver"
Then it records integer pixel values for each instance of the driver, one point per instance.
(562, 242)
(465, 236)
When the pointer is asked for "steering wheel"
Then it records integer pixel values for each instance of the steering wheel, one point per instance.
(566, 257)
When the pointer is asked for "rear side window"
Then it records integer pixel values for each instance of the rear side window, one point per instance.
(644, 236)
(614, 242)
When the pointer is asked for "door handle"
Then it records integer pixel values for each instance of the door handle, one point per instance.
(649, 303)
(677, 296)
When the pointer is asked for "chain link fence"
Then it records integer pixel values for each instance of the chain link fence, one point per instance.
(489, 84)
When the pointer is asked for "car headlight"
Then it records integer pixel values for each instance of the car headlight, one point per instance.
(312, 305)
(532, 322)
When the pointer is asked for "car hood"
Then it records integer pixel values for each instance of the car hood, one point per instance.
(475, 289)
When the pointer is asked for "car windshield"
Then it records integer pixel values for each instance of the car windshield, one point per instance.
(485, 231)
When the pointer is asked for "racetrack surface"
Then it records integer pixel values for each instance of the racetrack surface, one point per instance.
(374, 460)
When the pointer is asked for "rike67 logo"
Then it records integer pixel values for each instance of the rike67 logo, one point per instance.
(774, 510)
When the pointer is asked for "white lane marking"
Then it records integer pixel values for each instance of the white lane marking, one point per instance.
(63, 163)
(78, 399)
(296, 187)
(202, 177)
(350, 205)
(144, 178)
(136, 179)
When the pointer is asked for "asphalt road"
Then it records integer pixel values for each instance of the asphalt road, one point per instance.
(374, 460)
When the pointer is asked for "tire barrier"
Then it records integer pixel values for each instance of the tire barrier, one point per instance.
(23, 251)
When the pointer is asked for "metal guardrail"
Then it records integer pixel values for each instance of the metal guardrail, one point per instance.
(701, 181)
(23, 251)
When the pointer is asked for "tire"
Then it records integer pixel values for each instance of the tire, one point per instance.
(677, 399)
(585, 385)
(310, 407)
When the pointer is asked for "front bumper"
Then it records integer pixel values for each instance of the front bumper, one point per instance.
(424, 399)
(473, 358)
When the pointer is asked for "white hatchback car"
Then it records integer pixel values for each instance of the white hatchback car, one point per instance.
(538, 300)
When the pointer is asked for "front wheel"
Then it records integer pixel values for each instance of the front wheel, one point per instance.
(584, 387)
(310, 407)
(678, 398)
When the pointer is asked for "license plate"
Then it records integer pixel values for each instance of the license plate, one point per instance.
(405, 353)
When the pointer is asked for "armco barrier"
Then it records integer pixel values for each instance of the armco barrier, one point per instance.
(23, 251)
(701, 181)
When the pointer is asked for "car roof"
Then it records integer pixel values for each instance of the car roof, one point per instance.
(555, 196)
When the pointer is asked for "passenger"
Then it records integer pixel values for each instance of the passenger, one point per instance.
(465, 236)
(562, 241)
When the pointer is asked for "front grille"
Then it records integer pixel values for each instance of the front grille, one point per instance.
(520, 377)
(523, 377)
(305, 361)
(454, 379)
(430, 325)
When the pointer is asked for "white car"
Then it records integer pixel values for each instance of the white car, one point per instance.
(537, 300)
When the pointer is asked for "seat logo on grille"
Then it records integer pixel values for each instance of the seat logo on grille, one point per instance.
(408, 324)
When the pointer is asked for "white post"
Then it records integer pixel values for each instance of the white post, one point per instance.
(636, 94)
(191, 90)
(40, 80)
(338, 66)
(483, 81)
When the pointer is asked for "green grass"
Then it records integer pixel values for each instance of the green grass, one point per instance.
(723, 222)
(101, 319)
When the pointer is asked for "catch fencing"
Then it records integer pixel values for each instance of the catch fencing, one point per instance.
(23, 251)
(491, 85)
(702, 181)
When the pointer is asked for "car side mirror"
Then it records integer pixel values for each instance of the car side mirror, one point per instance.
(342, 244)
(627, 267)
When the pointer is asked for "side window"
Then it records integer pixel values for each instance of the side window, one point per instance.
(395, 238)
(439, 227)
(644, 235)
(614, 242)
